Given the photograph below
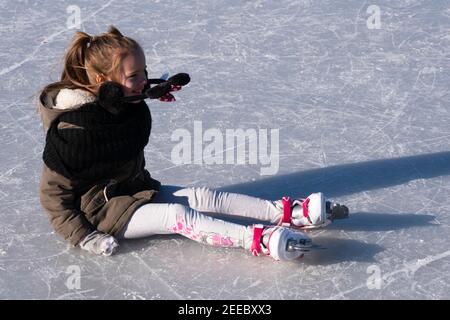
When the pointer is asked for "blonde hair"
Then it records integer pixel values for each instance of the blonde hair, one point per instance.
(89, 56)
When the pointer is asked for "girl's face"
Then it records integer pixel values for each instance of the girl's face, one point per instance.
(132, 77)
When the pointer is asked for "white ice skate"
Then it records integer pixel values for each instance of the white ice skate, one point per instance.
(280, 243)
(312, 212)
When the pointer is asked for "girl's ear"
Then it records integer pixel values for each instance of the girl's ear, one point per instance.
(99, 78)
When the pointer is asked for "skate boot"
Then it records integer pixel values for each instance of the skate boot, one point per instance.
(312, 212)
(279, 242)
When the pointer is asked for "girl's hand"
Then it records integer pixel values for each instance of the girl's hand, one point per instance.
(174, 83)
(169, 97)
(99, 243)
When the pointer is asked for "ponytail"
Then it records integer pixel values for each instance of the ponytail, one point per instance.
(74, 72)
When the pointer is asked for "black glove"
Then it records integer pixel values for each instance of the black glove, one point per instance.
(110, 94)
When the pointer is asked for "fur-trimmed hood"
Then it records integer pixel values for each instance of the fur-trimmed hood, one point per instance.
(54, 103)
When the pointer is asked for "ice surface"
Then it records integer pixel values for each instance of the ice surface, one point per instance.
(363, 116)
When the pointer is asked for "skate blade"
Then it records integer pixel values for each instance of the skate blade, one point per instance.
(336, 211)
(314, 226)
(303, 246)
(340, 212)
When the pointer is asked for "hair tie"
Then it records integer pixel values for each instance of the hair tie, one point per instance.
(91, 39)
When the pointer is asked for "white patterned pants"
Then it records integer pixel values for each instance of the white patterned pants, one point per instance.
(179, 211)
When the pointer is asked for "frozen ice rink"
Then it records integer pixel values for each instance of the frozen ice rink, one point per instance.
(359, 94)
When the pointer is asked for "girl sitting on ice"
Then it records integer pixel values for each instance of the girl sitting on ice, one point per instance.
(94, 184)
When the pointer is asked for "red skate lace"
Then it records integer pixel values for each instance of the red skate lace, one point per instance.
(256, 244)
